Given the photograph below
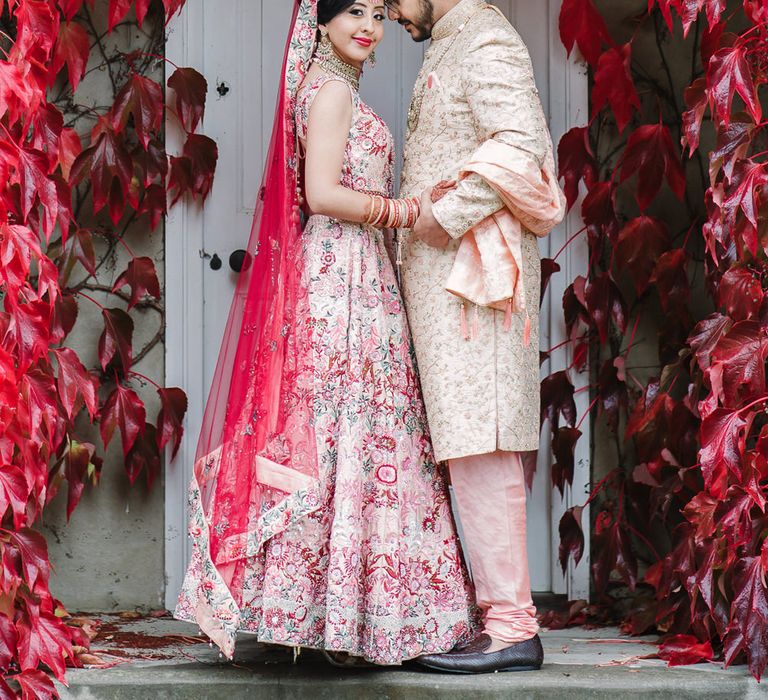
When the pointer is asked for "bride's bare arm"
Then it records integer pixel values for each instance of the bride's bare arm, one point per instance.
(330, 118)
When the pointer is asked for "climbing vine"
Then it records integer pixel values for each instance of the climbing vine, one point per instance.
(671, 178)
(86, 179)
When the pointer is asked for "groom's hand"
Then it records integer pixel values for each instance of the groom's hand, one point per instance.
(427, 228)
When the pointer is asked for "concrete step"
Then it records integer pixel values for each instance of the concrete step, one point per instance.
(157, 660)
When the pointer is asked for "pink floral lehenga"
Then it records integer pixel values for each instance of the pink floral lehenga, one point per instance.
(372, 566)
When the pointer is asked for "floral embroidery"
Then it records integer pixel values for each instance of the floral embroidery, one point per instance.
(370, 563)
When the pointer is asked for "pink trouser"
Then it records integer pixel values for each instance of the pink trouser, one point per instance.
(490, 493)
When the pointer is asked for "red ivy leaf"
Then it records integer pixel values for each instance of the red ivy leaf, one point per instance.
(105, 162)
(35, 685)
(732, 145)
(706, 335)
(69, 148)
(740, 355)
(695, 96)
(685, 649)
(614, 85)
(14, 492)
(571, 537)
(740, 293)
(144, 456)
(77, 459)
(37, 26)
(729, 74)
(191, 89)
(142, 99)
(34, 555)
(612, 391)
(576, 162)
(613, 552)
(548, 268)
(599, 207)
(563, 446)
(169, 420)
(124, 409)
(37, 186)
(641, 242)
(81, 248)
(723, 434)
(141, 277)
(154, 204)
(118, 9)
(71, 7)
(72, 47)
(39, 394)
(18, 95)
(30, 326)
(557, 399)
(748, 177)
(581, 24)
(116, 338)
(42, 639)
(606, 304)
(73, 380)
(748, 628)
(671, 280)
(700, 511)
(651, 154)
(172, 7)
(9, 638)
(203, 154)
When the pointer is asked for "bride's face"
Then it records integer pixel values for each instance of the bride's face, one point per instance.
(357, 31)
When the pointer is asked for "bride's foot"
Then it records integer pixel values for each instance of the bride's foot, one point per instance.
(343, 659)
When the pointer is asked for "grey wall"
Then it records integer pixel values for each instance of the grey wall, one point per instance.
(110, 555)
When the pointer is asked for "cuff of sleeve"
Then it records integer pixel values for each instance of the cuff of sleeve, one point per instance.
(440, 210)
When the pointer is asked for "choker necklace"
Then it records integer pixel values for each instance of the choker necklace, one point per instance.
(329, 61)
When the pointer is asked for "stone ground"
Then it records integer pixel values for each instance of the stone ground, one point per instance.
(163, 659)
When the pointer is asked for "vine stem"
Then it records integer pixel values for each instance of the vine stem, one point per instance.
(133, 373)
(598, 488)
(149, 55)
(569, 241)
(647, 542)
(587, 412)
(632, 337)
(89, 298)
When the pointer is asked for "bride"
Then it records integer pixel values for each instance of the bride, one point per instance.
(318, 514)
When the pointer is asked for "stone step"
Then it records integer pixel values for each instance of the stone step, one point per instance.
(157, 663)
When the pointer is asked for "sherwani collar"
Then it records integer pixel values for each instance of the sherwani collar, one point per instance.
(452, 21)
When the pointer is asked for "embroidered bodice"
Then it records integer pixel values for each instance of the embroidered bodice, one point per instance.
(369, 156)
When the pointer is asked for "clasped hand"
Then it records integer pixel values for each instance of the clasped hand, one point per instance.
(428, 228)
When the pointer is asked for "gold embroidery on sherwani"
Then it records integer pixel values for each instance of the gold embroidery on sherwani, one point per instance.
(481, 394)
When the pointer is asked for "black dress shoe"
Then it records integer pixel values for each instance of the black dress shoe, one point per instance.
(523, 656)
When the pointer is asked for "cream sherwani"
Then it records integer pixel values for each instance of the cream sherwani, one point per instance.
(476, 85)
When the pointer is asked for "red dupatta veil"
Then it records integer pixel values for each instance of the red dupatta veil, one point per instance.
(256, 464)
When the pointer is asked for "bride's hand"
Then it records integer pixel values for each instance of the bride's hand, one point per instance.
(427, 228)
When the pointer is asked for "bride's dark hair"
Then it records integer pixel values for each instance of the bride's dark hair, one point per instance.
(328, 9)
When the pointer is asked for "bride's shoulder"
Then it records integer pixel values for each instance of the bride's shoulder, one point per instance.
(326, 91)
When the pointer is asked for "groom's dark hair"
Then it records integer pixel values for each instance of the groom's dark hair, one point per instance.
(328, 9)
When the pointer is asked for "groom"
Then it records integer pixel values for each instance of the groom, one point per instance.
(479, 366)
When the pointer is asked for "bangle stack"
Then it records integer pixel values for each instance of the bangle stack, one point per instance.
(393, 213)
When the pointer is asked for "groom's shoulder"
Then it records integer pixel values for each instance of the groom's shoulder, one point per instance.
(489, 28)
(488, 31)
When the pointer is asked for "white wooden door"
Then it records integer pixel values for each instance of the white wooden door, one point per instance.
(238, 46)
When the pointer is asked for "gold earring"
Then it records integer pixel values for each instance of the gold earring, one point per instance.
(372, 59)
(325, 47)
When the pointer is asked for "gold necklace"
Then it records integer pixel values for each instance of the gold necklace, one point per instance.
(329, 61)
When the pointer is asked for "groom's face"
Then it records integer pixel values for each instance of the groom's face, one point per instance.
(417, 17)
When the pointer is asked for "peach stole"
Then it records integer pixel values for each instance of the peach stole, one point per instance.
(487, 270)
